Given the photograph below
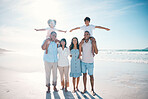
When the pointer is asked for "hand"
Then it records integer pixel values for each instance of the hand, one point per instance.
(79, 57)
(70, 30)
(48, 42)
(107, 29)
(65, 31)
(58, 43)
(36, 29)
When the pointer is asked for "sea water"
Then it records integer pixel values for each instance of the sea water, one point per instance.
(133, 56)
(33, 60)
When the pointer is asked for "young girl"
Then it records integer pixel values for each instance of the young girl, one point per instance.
(75, 62)
(50, 29)
(63, 64)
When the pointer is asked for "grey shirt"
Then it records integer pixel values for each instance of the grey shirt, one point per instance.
(87, 56)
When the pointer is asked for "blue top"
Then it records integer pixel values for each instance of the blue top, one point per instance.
(51, 56)
(75, 64)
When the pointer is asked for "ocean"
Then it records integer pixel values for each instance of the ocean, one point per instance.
(133, 56)
(33, 61)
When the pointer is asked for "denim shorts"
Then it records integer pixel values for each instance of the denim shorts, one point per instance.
(89, 67)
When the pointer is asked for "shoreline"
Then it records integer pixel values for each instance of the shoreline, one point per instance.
(111, 82)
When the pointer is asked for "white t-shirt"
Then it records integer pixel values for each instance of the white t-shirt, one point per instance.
(89, 28)
(49, 30)
(87, 56)
(63, 57)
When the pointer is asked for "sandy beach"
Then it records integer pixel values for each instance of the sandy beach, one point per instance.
(113, 80)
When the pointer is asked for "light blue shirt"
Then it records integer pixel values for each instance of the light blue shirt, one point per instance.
(51, 56)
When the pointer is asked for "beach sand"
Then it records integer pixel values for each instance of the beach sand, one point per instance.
(113, 80)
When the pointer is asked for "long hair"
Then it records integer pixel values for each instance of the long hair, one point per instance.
(63, 39)
(72, 45)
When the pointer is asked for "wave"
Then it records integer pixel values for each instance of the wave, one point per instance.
(134, 56)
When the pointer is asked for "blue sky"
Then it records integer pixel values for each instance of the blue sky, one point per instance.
(127, 19)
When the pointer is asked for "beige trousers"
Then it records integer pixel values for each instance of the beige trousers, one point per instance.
(64, 71)
(48, 67)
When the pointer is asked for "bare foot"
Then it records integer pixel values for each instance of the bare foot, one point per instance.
(74, 91)
(77, 88)
(55, 89)
(48, 91)
(84, 91)
(93, 93)
(66, 90)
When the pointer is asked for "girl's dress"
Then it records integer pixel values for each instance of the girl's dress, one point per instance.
(75, 64)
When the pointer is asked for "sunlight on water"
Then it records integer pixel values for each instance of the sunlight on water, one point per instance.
(123, 56)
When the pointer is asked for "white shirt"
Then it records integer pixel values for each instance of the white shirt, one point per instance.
(49, 30)
(87, 56)
(63, 57)
(89, 28)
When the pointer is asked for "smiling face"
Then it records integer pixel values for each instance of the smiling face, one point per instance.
(53, 36)
(74, 41)
(87, 22)
(86, 35)
(51, 23)
(63, 43)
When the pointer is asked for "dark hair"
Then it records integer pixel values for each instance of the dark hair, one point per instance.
(87, 32)
(87, 18)
(53, 32)
(72, 45)
(63, 39)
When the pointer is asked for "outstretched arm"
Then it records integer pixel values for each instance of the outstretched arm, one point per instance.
(74, 29)
(100, 27)
(40, 29)
(62, 31)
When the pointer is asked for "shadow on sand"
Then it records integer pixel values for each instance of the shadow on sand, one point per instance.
(55, 94)
(68, 95)
(48, 95)
(86, 97)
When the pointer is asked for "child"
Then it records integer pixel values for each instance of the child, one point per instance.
(50, 29)
(90, 28)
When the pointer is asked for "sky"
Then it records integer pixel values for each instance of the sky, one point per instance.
(127, 19)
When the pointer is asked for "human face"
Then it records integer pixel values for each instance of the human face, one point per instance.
(87, 22)
(62, 43)
(74, 41)
(86, 35)
(53, 36)
(52, 24)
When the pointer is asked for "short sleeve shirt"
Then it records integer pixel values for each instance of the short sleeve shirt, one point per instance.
(89, 28)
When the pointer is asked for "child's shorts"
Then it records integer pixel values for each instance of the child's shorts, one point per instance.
(89, 67)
